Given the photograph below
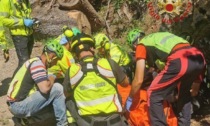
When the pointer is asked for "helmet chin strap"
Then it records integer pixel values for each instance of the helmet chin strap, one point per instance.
(48, 60)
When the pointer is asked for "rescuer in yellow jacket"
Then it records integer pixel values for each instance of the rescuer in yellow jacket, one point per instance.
(65, 40)
(107, 49)
(62, 65)
(15, 14)
(33, 89)
(184, 65)
(91, 84)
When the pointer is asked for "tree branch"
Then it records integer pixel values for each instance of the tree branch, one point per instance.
(106, 22)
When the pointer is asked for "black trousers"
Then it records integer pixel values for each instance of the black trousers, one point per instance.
(182, 68)
(23, 46)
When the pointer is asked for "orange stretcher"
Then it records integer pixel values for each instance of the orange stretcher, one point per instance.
(139, 115)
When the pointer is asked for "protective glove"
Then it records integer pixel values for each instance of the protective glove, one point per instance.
(63, 40)
(128, 103)
(28, 22)
(6, 55)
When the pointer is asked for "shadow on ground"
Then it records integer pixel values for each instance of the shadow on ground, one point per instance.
(45, 117)
(4, 87)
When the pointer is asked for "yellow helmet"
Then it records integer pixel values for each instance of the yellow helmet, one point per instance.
(82, 42)
(101, 40)
(67, 32)
(70, 32)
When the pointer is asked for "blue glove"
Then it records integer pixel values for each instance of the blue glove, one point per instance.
(63, 40)
(128, 103)
(28, 22)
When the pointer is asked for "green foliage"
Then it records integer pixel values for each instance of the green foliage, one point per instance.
(118, 3)
(119, 27)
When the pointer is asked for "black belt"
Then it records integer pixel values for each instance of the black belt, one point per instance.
(103, 123)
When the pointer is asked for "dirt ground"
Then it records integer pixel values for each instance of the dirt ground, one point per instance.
(6, 71)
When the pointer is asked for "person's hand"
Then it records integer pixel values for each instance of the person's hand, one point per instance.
(195, 89)
(28, 22)
(51, 78)
(128, 103)
(6, 55)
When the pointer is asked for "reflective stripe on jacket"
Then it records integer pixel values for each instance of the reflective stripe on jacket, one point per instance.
(12, 13)
(22, 84)
(94, 87)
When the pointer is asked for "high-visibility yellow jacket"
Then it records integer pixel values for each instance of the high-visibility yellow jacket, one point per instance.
(60, 69)
(3, 42)
(118, 55)
(16, 92)
(12, 13)
(94, 86)
(62, 65)
(159, 46)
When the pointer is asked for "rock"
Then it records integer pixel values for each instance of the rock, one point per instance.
(82, 22)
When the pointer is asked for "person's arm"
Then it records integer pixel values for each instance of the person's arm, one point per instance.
(139, 70)
(125, 82)
(138, 77)
(139, 74)
(46, 85)
(120, 76)
(115, 53)
(5, 17)
(55, 70)
(10, 22)
(195, 89)
(39, 75)
(196, 84)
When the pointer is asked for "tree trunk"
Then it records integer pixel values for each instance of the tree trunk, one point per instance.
(84, 6)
